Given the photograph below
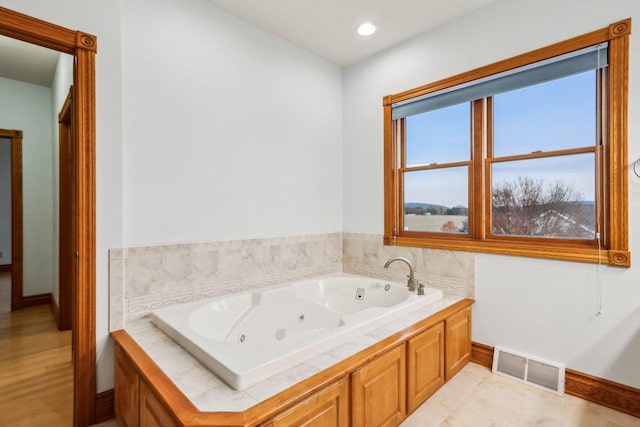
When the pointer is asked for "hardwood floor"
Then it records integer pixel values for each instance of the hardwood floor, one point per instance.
(5, 291)
(36, 374)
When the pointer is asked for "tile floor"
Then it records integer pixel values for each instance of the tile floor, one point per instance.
(477, 398)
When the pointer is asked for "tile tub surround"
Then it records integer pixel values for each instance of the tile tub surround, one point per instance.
(142, 279)
(209, 394)
(452, 271)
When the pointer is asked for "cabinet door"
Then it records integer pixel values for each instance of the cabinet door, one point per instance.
(425, 373)
(458, 341)
(126, 390)
(379, 391)
(152, 410)
(327, 408)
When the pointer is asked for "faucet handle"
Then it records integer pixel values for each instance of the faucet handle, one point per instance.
(412, 284)
(420, 289)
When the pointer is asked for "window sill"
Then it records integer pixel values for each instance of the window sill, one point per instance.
(605, 256)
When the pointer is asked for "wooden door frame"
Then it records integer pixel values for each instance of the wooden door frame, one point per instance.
(15, 138)
(65, 207)
(83, 47)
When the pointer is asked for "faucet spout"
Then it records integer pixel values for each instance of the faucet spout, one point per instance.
(412, 283)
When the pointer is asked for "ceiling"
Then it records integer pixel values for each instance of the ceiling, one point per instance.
(328, 27)
(324, 27)
(27, 62)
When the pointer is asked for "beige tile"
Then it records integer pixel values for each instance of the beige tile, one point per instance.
(429, 414)
(587, 414)
(477, 398)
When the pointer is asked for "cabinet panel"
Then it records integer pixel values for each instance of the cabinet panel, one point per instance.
(458, 341)
(379, 391)
(152, 411)
(126, 390)
(425, 372)
(327, 408)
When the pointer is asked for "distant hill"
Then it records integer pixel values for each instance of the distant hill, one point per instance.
(422, 205)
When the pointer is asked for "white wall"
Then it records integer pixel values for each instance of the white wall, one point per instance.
(217, 123)
(546, 308)
(230, 132)
(27, 107)
(62, 81)
(101, 18)
(5, 200)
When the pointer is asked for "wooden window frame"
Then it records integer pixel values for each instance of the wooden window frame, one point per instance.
(613, 197)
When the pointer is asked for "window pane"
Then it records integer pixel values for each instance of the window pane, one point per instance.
(559, 114)
(549, 197)
(437, 200)
(439, 136)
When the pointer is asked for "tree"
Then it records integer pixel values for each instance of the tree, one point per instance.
(525, 207)
(449, 227)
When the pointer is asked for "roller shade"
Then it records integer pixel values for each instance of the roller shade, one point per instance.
(579, 61)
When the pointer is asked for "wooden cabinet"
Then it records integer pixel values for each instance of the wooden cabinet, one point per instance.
(425, 370)
(458, 341)
(365, 391)
(378, 391)
(327, 408)
(152, 410)
(126, 390)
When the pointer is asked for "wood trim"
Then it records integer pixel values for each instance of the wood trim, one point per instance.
(482, 354)
(67, 145)
(598, 390)
(186, 413)
(83, 47)
(38, 299)
(567, 253)
(389, 177)
(84, 206)
(5, 268)
(603, 392)
(617, 170)
(55, 309)
(104, 406)
(17, 232)
(615, 247)
(479, 108)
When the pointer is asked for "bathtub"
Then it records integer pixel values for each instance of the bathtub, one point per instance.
(245, 338)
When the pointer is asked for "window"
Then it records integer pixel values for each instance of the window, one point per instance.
(524, 157)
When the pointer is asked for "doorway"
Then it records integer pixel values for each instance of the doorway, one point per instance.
(11, 269)
(83, 47)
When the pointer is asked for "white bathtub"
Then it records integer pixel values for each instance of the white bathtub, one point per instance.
(245, 338)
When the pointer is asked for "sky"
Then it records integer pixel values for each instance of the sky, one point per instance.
(559, 114)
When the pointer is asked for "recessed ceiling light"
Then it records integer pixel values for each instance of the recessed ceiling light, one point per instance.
(366, 29)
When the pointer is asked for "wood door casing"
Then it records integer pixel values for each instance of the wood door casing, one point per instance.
(65, 222)
(83, 47)
(15, 138)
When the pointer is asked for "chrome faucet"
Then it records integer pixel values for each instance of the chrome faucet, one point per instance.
(412, 283)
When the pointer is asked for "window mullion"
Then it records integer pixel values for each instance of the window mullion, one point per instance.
(477, 172)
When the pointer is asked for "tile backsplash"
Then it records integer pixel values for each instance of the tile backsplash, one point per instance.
(142, 279)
